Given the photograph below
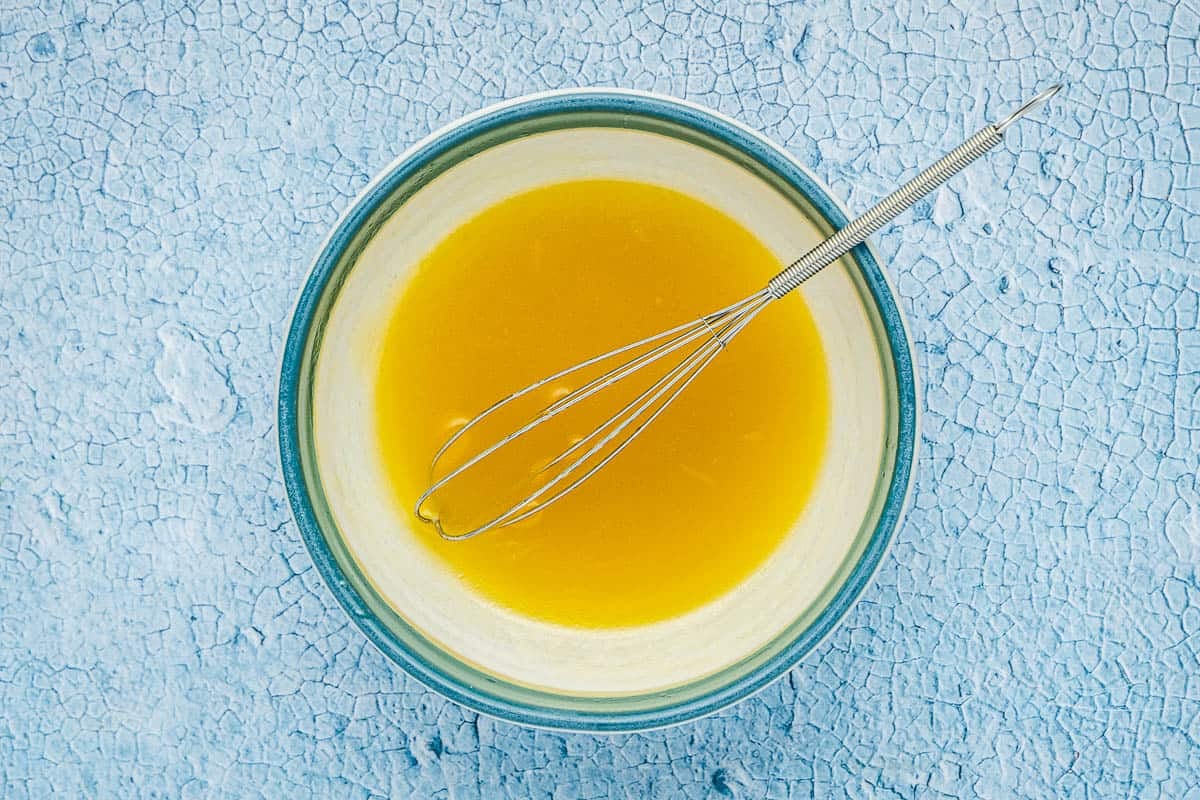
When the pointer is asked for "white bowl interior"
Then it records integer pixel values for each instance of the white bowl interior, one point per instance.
(379, 533)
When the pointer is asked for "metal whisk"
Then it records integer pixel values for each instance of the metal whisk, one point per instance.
(691, 346)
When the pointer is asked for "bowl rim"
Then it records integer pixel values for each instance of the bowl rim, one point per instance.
(768, 155)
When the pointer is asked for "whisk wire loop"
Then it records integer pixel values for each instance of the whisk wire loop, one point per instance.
(712, 332)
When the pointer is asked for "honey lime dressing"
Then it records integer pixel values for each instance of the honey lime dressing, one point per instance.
(546, 278)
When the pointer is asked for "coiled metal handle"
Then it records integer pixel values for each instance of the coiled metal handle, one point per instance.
(898, 201)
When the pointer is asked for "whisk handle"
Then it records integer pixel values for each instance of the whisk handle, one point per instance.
(898, 201)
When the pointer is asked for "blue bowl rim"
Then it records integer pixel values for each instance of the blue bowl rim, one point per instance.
(767, 154)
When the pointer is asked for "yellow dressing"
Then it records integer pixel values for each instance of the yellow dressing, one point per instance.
(552, 276)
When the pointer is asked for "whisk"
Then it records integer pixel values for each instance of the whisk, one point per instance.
(682, 353)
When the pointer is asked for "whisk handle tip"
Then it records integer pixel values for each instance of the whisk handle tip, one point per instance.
(1033, 103)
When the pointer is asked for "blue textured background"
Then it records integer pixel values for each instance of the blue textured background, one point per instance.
(166, 174)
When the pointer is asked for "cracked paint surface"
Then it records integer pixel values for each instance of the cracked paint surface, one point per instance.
(167, 173)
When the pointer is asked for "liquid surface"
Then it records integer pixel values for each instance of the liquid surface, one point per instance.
(547, 278)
